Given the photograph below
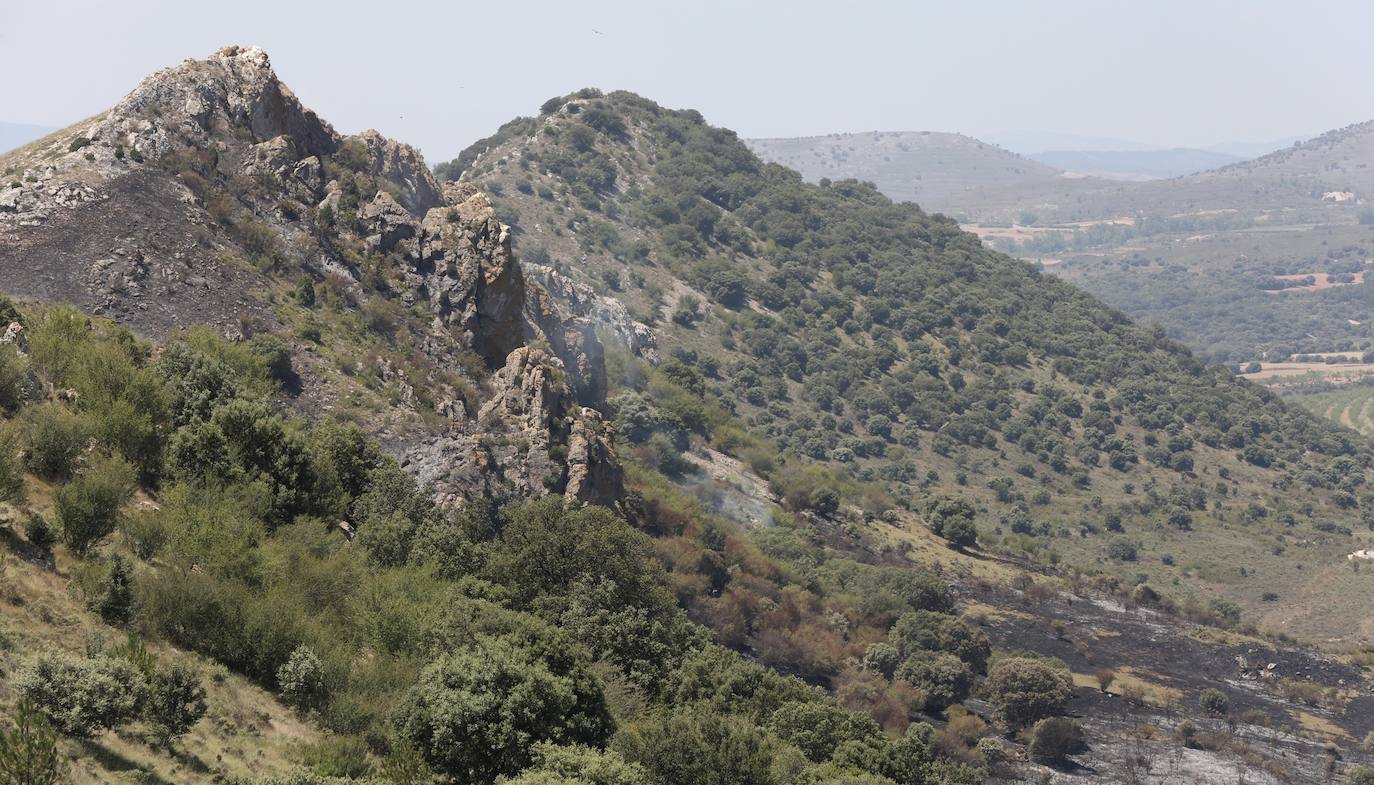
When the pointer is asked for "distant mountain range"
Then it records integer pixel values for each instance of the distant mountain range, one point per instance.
(1124, 164)
(925, 167)
(14, 135)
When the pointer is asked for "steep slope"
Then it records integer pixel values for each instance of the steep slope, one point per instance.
(895, 349)
(929, 168)
(211, 196)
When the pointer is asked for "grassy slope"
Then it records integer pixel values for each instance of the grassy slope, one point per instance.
(245, 730)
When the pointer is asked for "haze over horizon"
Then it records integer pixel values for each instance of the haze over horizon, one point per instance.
(776, 73)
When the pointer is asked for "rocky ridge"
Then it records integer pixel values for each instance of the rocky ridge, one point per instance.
(148, 212)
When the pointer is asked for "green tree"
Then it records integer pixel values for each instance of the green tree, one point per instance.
(28, 750)
(175, 703)
(817, 727)
(1025, 689)
(944, 678)
(544, 549)
(952, 517)
(925, 630)
(11, 466)
(116, 601)
(87, 508)
(477, 713)
(55, 439)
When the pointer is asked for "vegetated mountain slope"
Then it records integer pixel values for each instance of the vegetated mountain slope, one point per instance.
(1222, 258)
(896, 349)
(364, 480)
(925, 167)
(218, 491)
(1133, 164)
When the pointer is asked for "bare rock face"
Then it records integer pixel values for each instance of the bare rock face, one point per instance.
(530, 439)
(115, 216)
(402, 166)
(605, 313)
(233, 90)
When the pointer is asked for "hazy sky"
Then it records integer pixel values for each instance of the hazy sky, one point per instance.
(442, 74)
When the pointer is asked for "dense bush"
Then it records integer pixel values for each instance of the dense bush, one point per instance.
(579, 765)
(689, 747)
(944, 678)
(929, 631)
(82, 696)
(175, 702)
(301, 679)
(88, 508)
(1054, 739)
(476, 713)
(1023, 689)
(1214, 702)
(55, 438)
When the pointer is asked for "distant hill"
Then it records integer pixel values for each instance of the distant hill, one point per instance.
(1119, 164)
(1032, 142)
(926, 167)
(13, 135)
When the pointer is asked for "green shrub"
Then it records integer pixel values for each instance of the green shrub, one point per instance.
(146, 534)
(1054, 739)
(11, 466)
(301, 680)
(1121, 549)
(1214, 702)
(476, 713)
(28, 751)
(56, 438)
(115, 603)
(8, 312)
(944, 678)
(1360, 775)
(817, 727)
(83, 696)
(576, 764)
(276, 356)
(87, 508)
(38, 531)
(1025, 689)
(882, 657)
(692, 747)
(925, 630)
(13, 375)
(175, 703)
(53, 339)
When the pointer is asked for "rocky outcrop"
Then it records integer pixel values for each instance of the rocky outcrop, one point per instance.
(530, 438)
(231, 92)
(164, 212)
(403, 167)
(605, 313)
